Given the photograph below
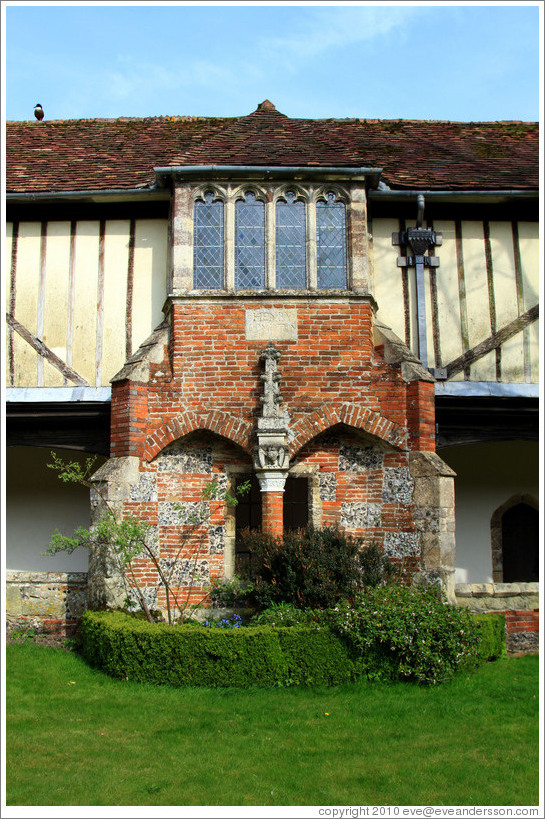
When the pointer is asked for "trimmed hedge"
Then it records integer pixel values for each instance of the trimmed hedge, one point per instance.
(128, 648)
(491, 636)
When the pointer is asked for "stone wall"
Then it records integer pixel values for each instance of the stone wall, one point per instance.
(519, 602)
(48, 602)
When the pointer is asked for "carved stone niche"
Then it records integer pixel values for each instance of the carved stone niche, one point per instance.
(271, 455)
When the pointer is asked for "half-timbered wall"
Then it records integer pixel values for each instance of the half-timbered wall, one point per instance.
(91, 291)
(486, 286)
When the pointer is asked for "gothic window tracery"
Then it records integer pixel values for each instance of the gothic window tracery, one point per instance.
(286, 238)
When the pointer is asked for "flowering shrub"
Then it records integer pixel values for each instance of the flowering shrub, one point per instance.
(234, 622)
(407, 633)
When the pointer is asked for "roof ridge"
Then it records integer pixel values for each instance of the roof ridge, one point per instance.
(261, 110)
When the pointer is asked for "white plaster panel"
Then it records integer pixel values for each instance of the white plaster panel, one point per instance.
(388, 290)
(487, 475)
(448, 297)
(26, 307)
(503, 263)
(116, 262)
(477, 299)
(150, 275)
(85, 299)
(37, 503)
(529, 255)
(57, 269)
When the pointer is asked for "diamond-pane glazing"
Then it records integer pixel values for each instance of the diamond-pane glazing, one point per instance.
(290, 244)
(249, 244)
(208, 245)
(331, 243)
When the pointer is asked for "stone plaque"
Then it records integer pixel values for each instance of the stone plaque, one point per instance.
(271, 323)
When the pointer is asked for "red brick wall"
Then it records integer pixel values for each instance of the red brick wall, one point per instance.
(332, 367)
(210, 380)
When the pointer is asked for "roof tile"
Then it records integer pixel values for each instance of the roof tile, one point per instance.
(100, 154)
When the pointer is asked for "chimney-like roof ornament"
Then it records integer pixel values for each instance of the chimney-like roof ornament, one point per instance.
(266, 105)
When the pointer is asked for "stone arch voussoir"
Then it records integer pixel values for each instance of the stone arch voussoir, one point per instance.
(351, 415)
(221, 423)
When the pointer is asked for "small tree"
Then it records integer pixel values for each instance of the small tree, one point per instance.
(128, 538)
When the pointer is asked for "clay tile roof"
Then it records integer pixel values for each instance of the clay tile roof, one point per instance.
(102, 154)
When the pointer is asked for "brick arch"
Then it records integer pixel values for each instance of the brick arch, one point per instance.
(221, 423)
(351, 415)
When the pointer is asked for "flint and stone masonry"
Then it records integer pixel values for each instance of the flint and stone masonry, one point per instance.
(274, 385)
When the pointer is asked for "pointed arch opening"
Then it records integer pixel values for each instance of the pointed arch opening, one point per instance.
(514, 529)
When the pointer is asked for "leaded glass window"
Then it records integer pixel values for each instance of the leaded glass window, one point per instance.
(331, 243)
(208, 244)
(290, 243)
(249, 243)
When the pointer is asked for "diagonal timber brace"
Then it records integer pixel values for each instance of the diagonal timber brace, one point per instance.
(44, 351)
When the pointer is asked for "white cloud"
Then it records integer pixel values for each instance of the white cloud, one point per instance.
(327, 29)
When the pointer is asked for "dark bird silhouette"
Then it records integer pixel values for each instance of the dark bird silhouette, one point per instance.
(39, 111)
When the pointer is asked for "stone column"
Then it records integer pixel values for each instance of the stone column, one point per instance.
(271, 459)
(106, 583)
(434, 516)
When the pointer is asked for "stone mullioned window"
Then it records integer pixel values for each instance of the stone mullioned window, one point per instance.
(287, 238)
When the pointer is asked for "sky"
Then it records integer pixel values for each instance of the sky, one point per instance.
(456, 61)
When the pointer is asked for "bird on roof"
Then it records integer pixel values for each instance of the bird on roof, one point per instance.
(38, 111)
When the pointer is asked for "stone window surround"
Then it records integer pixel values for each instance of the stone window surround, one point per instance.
(357, 250)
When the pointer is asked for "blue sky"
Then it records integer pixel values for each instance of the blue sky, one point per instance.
(415, 61)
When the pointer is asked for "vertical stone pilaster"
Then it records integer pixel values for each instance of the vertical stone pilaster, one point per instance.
(106, 583)
(181, 279)
(312, 270)
(433, 499)
(358, 241)
(270, 245)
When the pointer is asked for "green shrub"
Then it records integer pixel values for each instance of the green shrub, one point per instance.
(374, 567)
(285, 614)
(128, 648)
(228, 592)
(408, 633)
(310, 568)
(491, 635)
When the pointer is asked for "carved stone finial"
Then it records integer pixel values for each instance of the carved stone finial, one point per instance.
(271, 456)
(271, 378)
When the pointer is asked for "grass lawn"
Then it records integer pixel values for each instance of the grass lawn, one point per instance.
(77, 737)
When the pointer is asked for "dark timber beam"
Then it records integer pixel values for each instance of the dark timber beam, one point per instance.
(47, 354)
(493, 342)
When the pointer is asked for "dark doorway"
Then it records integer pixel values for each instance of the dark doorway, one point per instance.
(247, 516)
(295, 503)
(520, 544)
